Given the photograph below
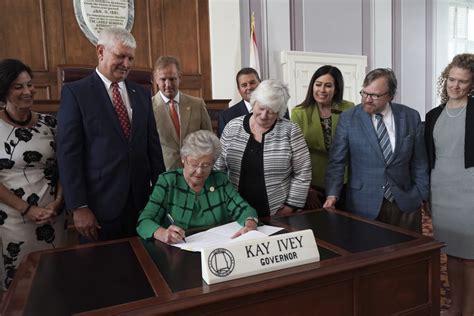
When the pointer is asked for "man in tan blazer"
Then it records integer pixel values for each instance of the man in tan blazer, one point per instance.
(176, 114)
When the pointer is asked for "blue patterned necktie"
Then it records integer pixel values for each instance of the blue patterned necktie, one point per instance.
(384, 142)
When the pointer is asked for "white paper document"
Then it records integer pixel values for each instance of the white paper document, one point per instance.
(221, 235)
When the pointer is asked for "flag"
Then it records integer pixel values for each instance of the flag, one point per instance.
(254, 60)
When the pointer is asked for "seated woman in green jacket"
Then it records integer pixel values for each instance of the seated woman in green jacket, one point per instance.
(195, 196)
(317, 117)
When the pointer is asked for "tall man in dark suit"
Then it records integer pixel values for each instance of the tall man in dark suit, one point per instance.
(247, 80)
(383, 144)
(108, 148)
(176, 113)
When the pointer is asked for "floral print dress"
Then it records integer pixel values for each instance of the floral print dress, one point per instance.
(28, 168)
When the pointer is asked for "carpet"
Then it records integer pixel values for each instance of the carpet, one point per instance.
(428, 231)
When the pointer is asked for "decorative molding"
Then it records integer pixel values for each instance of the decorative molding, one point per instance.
(43, 38)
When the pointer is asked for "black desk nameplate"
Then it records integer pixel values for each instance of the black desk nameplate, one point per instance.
(76, 283)
(351, 235)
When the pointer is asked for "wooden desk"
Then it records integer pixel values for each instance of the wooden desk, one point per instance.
(366, 268)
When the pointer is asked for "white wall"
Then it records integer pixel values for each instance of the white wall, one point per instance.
(392, 33)
(411, 54)
(332, 26)
(381, 33)
(278, 34)
(224, 20)
(440, 43)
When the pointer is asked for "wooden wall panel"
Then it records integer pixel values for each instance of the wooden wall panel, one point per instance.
(53, 37)
(182, 21)
(182, 30)
(204, 49)
(22, 32)
(141, 31)
(43, 92)
(49, 35)
(78, 49)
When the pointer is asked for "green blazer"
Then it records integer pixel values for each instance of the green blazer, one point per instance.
(309, 122)
(217, 203)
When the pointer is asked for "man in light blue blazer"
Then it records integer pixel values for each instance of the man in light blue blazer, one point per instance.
(388, 185)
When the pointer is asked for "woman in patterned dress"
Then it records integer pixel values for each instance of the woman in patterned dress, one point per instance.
(265, 155)
(449, 136)
(31, 203)
(317, 117)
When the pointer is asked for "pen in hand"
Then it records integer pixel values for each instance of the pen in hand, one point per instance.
(172, 222)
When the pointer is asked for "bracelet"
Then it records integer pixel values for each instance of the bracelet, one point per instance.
(254, 219)
(27, 209)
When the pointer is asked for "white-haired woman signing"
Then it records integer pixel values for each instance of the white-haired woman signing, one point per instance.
(195, 196)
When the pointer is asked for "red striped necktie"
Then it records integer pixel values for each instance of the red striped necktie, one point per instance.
(121, 110)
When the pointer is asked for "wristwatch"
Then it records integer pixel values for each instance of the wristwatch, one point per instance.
(252, 219)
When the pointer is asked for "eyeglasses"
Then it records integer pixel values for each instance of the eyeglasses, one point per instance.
(204, 166)
(372, 95)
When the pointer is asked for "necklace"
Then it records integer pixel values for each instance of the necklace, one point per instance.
(457, 114)
(20, 123)
(323, 112)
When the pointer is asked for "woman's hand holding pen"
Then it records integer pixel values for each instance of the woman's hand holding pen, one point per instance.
(171, 235)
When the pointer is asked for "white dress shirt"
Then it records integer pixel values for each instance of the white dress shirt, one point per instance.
(249, 106)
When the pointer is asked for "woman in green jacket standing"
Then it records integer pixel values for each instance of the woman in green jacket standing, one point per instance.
(317, 117)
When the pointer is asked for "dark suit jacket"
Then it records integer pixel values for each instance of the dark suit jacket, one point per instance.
(98, 166)
(356, 144)
(231, 113)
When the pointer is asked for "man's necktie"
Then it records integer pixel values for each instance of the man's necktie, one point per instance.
(174, 116)
(384, 141)
(120, 109)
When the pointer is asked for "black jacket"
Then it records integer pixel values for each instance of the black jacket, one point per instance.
(432, 117)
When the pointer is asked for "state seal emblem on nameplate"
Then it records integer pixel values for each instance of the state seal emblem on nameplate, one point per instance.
(95, 15)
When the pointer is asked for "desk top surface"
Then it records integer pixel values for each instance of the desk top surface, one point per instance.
(103, 274)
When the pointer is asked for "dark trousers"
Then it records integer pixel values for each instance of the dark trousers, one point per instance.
(121, 227)
(391, 214)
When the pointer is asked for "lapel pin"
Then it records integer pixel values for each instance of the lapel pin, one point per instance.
(211, 189)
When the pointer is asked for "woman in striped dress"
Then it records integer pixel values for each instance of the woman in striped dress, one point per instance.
(265, 155)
